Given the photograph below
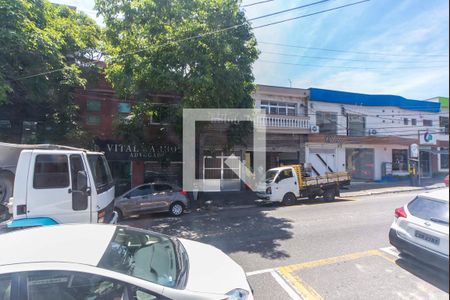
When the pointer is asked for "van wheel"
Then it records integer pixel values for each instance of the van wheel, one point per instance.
(329, 195)
(176, 209)
(289, 199)
(119, 214)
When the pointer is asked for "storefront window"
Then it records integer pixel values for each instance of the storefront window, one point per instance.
(360, 163)
(399, 160)
(444, 159)
(356, 125)
(327, 122)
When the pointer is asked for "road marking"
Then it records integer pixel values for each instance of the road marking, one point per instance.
(331, 260)
(391, 250)
(285, 286)
(302, 288)
(259, 272)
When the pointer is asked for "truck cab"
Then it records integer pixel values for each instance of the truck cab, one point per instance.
(61, 186)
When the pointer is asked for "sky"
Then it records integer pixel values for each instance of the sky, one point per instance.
(378, 47)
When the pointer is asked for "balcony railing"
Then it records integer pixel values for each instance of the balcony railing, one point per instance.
(284, 122)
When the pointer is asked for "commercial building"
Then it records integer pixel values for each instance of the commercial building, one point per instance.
(370, 135)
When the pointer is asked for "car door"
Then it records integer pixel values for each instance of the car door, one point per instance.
(70, 285)
(136, 199)
(50, 189)
(287, 183)
(162, 196)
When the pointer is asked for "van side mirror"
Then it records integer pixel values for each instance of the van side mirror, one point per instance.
(81, 181)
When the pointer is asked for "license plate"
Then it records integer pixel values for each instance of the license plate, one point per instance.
(426, 237)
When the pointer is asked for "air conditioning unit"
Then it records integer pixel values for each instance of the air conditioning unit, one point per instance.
(315, 129)
(373, 132)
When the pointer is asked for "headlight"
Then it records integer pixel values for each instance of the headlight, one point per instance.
(237, 294)
(269, 190)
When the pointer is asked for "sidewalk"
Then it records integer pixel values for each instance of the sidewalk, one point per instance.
(244, 199)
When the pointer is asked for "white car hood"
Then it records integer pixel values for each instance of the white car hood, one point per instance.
(211, 270)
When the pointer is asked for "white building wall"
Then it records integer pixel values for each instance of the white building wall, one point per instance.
(387, 121)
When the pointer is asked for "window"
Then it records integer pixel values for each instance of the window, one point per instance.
(279, 108)
(429, 209)
(74, 285)
(443, 122)
(148, 256)
(406, 121)
(141, 191)
(5, 124)
(427, 123)
(443, 157)
(356, 125)
(101, 173)
(327, 122)
(159, 188)
(93, 120)
(51, 171)
(93, 105)
(414, 122)
(400, 160)
(79, 198)
(285, 174)
(124, 107)
(6, 283)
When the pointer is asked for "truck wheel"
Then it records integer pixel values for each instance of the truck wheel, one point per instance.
(289, 199)
(6, 188)
(329, 195)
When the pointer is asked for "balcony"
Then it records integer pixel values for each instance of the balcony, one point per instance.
(283, 122)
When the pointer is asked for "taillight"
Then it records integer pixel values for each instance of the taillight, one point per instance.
(184, 193)
(400, 213)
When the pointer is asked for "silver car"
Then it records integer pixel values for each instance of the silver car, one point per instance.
(152, 197)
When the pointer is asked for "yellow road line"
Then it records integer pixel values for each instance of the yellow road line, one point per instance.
(332, 260)
(306, 291)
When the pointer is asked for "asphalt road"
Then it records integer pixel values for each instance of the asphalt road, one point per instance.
(313, 250)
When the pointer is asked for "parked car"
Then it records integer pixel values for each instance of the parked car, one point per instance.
(421, 228)
(88, 261)
(152, 197)
(446, 180)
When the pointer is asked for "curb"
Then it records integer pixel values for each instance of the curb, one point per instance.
(393, 192)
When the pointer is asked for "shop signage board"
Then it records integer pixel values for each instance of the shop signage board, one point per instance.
(144, 152)
(427, 138)
(414, 151)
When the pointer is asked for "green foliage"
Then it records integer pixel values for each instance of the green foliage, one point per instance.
(56, 42)
(143, 57)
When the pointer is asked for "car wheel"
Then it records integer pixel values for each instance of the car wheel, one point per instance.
(176, 209)
(329, 195)
(119, 214)
(289, 199)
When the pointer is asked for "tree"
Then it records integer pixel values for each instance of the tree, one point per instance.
(154, 46)
(46, 52)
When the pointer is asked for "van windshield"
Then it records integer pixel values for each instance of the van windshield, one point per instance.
(101, 172)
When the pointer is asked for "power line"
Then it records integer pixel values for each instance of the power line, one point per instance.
(349, 51)
(257, 3)
(311, 14)
(344, 59)
(288, 10)
(349, 67)
(208, 34)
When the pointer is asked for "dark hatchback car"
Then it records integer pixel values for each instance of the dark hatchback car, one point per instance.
(152, 197)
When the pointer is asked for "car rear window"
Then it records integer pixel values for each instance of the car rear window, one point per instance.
(429, 209)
